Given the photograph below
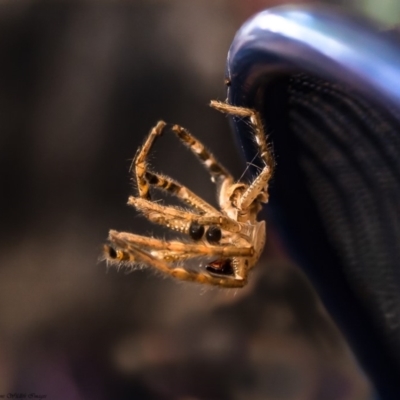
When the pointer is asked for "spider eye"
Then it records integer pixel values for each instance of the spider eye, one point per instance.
(196, 231)
(213, 234)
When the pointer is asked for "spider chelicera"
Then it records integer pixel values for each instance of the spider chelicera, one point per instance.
(229, 241)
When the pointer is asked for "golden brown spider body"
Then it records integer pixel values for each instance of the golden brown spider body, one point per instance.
(229, 240)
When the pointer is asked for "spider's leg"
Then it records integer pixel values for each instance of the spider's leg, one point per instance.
(171, 217)
(127, 240)
(217, 171)
(139, 163)
(260, 184)
(258, 129)
(180, 220)
(257, 187)
(124, 254)
(181, 192)
(138, 255)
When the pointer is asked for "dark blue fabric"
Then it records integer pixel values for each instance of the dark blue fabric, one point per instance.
(264, 71)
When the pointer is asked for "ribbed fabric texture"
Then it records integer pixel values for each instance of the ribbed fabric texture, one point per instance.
(350, 153)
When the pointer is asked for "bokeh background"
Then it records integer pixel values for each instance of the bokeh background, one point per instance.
(81, 83)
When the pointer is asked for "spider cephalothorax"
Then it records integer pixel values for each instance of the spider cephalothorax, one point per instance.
(229, 240)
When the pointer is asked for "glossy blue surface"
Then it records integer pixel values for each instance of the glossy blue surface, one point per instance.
(342, 48)
(320, 41)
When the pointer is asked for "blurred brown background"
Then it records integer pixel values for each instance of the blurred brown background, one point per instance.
(81, 83)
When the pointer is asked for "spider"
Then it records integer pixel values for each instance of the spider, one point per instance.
(229, 240)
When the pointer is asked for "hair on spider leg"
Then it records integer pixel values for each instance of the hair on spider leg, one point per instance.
(217, 245)
(116, 255)
(111, 251)
(120, 259)
(104, 257)
(110, 256)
